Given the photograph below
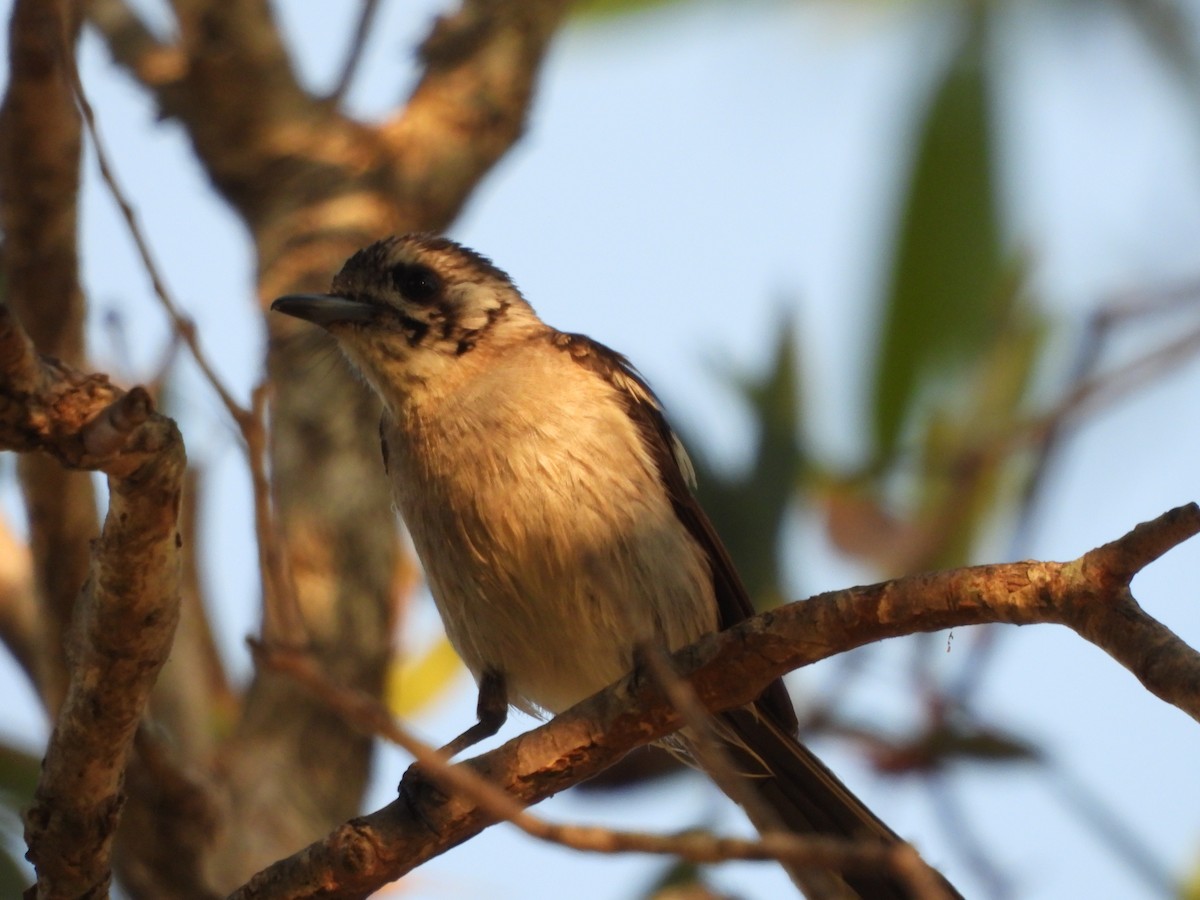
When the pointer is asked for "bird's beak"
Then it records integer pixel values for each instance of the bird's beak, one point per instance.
(325, 309)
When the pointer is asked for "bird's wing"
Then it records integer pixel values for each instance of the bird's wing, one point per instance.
(678, 476)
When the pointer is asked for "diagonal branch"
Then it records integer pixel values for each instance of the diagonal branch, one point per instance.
(727, 670)
(372, 717)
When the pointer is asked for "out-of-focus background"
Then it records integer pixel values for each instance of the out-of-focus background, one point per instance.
(919, 283)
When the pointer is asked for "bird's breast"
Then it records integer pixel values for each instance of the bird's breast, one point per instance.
(549, 543)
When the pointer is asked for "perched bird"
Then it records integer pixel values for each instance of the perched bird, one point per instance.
(550, 505)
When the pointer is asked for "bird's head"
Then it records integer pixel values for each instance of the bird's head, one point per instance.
(413, 308)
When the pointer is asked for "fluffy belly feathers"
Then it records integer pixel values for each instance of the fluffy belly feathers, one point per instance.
(558, 554)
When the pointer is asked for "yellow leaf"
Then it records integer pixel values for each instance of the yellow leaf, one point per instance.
(420, 679)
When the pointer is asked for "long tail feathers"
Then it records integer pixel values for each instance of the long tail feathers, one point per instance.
(807, 798)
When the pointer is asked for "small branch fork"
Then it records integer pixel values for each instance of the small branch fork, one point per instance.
(1090, 595)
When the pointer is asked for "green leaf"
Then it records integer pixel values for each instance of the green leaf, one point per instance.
(679, 875)
(967, 464)
(1190, 888)
(19, 773)
(604, 9)
(943, 300)
(18, 778)
(416, 681)
(13, 876)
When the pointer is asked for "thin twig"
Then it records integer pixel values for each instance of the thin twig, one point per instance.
(1108, 387)
(283, 621)
(961, 836)
(281, 606)
(354, 53)
(182, 325)
(1143, 303)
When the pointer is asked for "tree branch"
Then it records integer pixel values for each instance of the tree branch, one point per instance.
(126, 617)
(471, 105)
(727, 670)
(39, 181)
(372, 717)
(155, 65)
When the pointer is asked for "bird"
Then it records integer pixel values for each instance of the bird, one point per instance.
(552, 509)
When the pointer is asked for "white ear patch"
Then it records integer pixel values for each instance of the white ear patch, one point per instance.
(475, 303)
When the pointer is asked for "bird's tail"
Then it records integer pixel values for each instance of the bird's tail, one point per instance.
(804, 797)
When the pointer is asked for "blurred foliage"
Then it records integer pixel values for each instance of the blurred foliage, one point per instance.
(681, 880)
(13, 879)
(749, 508)
(953, 738)
(958, 344)
(18, 778)
(416, 681)
(613, 8)
(1167, 26)
(1190, 889)
(951, 445)
(943, 302)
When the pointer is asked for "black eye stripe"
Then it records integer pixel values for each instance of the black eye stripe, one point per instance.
(415, 282)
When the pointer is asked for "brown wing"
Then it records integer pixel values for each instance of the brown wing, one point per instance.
(733, 602)
(803, 793)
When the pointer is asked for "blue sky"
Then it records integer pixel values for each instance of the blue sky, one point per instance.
(686, 173)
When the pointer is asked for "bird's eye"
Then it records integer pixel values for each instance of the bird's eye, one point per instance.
(416, 282)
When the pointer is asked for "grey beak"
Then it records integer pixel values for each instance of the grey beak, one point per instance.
(325, 309)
